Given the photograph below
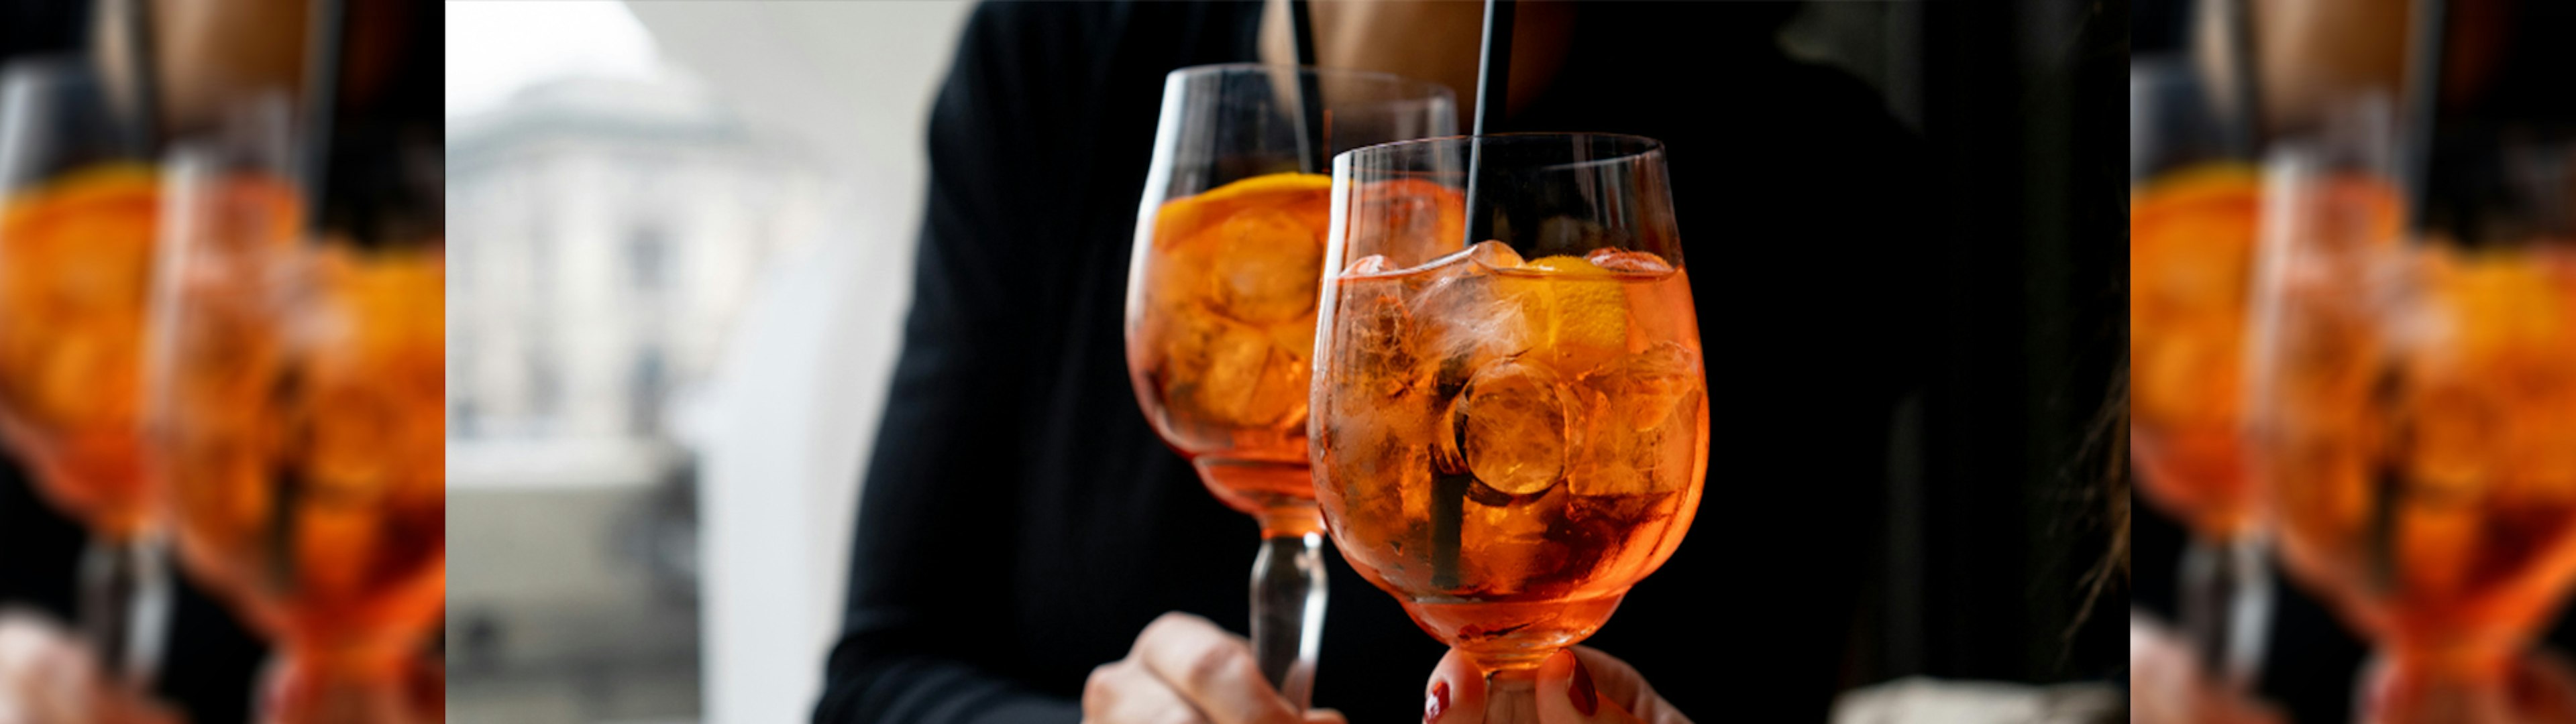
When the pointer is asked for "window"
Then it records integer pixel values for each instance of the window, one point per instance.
(645, 388)
(545, 386)
(646, 254)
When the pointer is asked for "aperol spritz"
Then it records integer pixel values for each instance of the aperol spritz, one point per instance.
(1508, 435)
(1221, 303)
(297, 411)
(2415, 419)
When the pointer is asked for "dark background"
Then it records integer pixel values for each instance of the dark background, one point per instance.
(1986, 540)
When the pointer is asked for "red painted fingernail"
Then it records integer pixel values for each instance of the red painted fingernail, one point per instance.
(1585, 699)
(1436, 703)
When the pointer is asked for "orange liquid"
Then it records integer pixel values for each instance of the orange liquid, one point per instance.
(307, 454)
(2191, 258)
(75, 271)
(1508, 446)
(2432, 491)
(1219, 335)
(2191, 252)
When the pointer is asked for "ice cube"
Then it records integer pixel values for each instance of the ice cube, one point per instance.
(1468, 317)
(1379, 351)
(1642, 422)
(1640, 389)
(1495, 255)
(1228, 373)
(1511, 427)
(1267, 266)
(1632, 262)
(1372, 264)
(1505, 549)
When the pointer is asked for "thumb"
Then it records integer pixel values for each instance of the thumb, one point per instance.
(1456, 692)
(1324, 716)
(1568, 693)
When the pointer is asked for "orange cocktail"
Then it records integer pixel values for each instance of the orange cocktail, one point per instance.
(1511, 444)
(2191, 253)
(1221, 296)
(2423, 451)
(75, 272)
(1220, 330)
(304, 438)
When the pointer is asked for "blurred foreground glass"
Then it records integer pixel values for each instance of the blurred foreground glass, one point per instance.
(2193, 214)
(297, 411)
(1508, 435)
(2415, 413)
(1221, 305)
(77, 214)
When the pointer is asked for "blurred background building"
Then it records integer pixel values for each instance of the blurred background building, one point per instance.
(609, 232)
(626, 446)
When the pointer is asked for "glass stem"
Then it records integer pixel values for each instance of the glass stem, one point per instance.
(2226, 607)
(1511, 697)
(125, 605)
(2408, 684)
(308, 688)
(1288, 609)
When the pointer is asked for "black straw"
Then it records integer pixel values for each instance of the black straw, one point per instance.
(326, 41)
(1493, 88)
(1493, 84)
(147, 75)
(2424, 88)
(1494, 70)
(1314, 151)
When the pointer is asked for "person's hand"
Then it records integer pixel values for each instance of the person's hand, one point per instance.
(1184, 670)
(48, 677)
(2167, 686)
(1579, 684)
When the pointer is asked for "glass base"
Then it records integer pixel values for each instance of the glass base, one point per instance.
(1507, 639)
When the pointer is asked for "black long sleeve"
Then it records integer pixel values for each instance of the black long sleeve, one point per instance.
(1026, 187)
(914, 636)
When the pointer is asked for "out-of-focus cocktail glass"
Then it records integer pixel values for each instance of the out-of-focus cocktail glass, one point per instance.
(1510, 434)
(1221, 303)
(77, 214)
(296, 408)
(2194, 210)
(2415, 416)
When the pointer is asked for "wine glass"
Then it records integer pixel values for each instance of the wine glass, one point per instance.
(2416, 414)
(1221, 303)
(1510, 434)
(296, 392)
(78, 208)
(2194, 204)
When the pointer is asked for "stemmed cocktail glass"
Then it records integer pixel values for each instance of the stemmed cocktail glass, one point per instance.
(2417, 411)
(1509, 434)
(296, 409)
(2415, 415)
(1221, 303)
(78, 209)
(2194, 209)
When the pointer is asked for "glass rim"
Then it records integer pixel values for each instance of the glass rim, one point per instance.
(1253, 68)
(1633, 148)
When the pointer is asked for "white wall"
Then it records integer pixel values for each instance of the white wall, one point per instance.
(793, 406)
